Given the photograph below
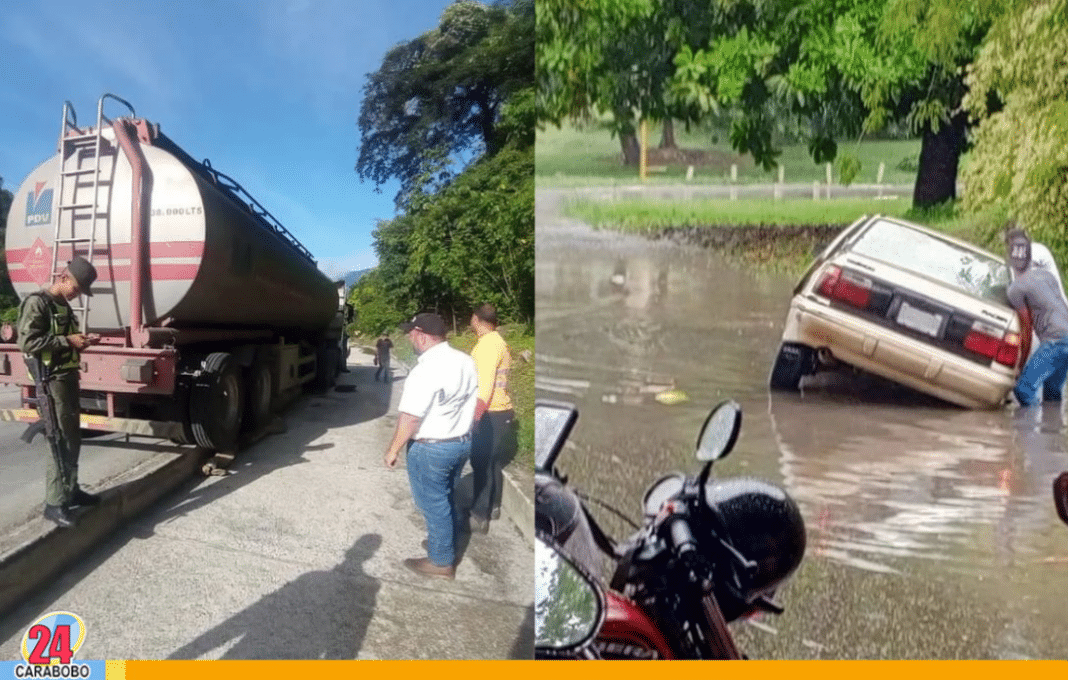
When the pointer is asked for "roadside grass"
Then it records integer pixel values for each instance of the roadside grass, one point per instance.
(648, 216)
(520, 380)
(590, 156)
(789, 255)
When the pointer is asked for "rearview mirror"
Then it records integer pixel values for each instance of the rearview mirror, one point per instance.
(1060, 496)
(720, 431)
(569, 607)
(553, 421)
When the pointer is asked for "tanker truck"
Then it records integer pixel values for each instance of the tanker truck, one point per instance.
(210, 314)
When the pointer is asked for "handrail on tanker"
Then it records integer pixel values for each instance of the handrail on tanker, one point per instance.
(231, 184)
(100, 108)
(70, 116)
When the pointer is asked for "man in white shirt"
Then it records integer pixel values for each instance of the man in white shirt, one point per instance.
(437, 409)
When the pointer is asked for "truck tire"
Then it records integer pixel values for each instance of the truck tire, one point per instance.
(260, 396)
(327, 365)
(792, 363)
(216, 403)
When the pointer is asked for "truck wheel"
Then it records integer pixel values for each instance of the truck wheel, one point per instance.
(260, 396)
(793, 362)
(327, 361)
(216, 404)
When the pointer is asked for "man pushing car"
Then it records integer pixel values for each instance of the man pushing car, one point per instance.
(1035, 292)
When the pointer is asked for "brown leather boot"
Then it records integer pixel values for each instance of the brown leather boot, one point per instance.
(424, 567)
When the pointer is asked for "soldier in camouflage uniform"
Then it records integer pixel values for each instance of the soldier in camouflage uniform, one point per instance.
(48, 329)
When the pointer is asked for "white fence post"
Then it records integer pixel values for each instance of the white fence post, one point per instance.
(734, 181)
(815, 190)
(779, 186)
(882, 168)
(829, 180)
(689, 173)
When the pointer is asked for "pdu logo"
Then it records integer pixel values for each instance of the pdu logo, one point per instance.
(38, 206)
(48, 648)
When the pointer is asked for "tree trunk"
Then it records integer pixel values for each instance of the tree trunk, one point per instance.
(936, 181)
(632, 149)
(667, 139)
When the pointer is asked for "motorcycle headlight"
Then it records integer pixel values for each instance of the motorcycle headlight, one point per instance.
(660, 491)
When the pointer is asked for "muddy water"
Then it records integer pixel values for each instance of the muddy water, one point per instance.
(932, 532)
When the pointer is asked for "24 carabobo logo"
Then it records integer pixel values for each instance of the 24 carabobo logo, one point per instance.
(49, 646)
(53, 638)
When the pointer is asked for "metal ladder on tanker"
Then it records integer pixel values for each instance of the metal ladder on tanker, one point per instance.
(86, 146)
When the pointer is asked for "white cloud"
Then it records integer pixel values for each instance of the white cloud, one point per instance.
(338, 267)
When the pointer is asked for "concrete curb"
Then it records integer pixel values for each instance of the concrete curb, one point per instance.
(40, 550)
(517, 503)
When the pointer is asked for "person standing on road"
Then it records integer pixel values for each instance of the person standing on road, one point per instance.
(494, 438)
(1033, 293)
(48, 337)
(382, 348)
(437, 409)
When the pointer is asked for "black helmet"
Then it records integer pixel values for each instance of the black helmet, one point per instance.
(763, 524)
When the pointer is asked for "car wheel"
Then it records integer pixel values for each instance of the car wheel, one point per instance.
(792, 363)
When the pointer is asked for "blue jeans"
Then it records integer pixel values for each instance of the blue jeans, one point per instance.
(433, 470)
(1047, 367)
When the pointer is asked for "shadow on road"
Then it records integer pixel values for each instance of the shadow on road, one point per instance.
(524, 641)
(320, 615)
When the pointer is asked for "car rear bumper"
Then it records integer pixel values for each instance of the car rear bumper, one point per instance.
(881, 351)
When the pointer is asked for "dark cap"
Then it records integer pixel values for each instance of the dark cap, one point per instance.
(1019, 245)
(83, 272)
(429, 323)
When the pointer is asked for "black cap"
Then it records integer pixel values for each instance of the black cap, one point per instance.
(1019, 244)
(83, 272)
(429, 323)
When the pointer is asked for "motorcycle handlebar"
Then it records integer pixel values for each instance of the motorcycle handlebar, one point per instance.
(682, 539)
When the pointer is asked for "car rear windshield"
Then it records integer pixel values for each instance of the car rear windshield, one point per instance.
(916, 251)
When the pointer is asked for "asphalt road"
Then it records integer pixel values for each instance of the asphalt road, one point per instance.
(295, 554)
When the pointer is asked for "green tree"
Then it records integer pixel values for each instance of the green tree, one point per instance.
(827, 70)
(843, 69)
(475, 238)
(375, 312)
(9, 300)
(1018, 98)
(467, 237)
(439, 96)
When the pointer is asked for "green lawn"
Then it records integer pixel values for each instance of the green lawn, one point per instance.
(643, 216)
(573, 156)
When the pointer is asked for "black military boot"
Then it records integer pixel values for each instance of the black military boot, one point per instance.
(59, 514)
(84, 498)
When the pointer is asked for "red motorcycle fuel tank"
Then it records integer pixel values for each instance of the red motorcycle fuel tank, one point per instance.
(628, 633)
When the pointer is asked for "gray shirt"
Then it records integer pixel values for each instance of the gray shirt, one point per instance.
(1038, 290)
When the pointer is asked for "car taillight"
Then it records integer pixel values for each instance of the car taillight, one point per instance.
(845, 287)
(829, 281)
(988, 341)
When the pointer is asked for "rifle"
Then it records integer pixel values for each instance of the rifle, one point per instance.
(47, 421)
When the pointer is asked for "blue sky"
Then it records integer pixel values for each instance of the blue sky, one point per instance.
(268, 90)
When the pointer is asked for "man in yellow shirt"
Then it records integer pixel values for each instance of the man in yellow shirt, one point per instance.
(494, 439)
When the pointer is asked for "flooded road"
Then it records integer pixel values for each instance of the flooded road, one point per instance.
(931, 529)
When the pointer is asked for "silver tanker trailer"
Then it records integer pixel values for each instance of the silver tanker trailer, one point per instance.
(210, 313)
